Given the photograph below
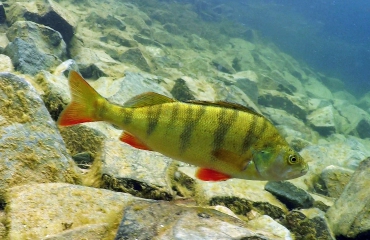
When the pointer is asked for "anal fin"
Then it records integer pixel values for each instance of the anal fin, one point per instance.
(207, 174)
(133, 141)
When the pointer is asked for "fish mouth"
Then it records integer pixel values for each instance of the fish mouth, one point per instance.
(305, 170)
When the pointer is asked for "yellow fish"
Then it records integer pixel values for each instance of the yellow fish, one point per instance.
(225, 140)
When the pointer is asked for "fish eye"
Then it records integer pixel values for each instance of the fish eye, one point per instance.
(292, 159)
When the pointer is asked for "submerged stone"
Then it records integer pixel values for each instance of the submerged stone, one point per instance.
(165, 220)
(292, 196)
(350, 214)
(126, 169)
(63, 211)
(309, 224)
(31, 148)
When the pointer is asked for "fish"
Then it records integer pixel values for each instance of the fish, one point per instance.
(225, 140)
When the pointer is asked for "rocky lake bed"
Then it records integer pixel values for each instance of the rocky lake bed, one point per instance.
(81, 182)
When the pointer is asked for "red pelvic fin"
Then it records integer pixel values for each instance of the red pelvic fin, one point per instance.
(206, 174)
(133, 141)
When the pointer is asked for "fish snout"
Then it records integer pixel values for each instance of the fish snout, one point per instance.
(305, 169)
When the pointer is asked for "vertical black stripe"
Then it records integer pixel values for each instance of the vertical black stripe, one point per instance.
(175, 112)
(249, 136)
(225, 121)
(191, 118)
(154, 113)
(127, 114)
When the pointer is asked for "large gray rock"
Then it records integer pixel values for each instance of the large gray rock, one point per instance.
(123, 168)
(333, 180)
(34, 47)
(2, 13)
(31, 148)
(6, 64)
(350, 214)
(292, 196)
(351, 119)
(93, 63)
(63, 211)
(165, 220)
(294, 105)
(101, 19)
(135, 56)
(132, 84)
(49, 13)
(309, 224)
(241, 196)
(322, 120)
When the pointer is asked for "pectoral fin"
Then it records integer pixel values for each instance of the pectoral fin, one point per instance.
(206, 174)
(232, 159)
(133, 141)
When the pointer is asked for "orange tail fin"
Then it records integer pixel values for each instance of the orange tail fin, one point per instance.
(82, 107)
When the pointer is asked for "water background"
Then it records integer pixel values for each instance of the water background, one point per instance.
(333, 37)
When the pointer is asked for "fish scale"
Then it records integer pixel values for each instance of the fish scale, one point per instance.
(224, 139)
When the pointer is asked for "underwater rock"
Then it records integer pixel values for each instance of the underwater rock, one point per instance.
(94, 63)
(2, 13)
(120, 38)
(87, 137)
(295, 105)
(316, 89)
(89, 231)
(233, 94)
(58, 18)
(83, 160)
(3, 42)
(6, 64)
(346, 153)
(34, 47)
(55, 92)
(333, 180)
(187, 88)
(38, 211)
(102, 20)
(134, 56)
(351, 119)
(292, 128)
(138, 23)
(49, 13)
(248, 86)
(181, 91)
(222, 65)
(167, 39)
(292, 196)
(122, 168)
(132, 84)
(241, 196)
(44, 38)
(23, 11)
(31, 148)
(146, 41)
(267, 224)
(165, 220)
(322, 120)
(309, 224)
(350, 214)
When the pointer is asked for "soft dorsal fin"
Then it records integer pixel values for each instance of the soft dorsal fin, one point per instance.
(224, 104)
(147, 99)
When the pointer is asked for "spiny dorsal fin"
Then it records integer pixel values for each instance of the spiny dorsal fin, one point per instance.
(230, 105)
(147, 99)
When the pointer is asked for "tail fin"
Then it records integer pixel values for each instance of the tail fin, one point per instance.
(84, 102)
